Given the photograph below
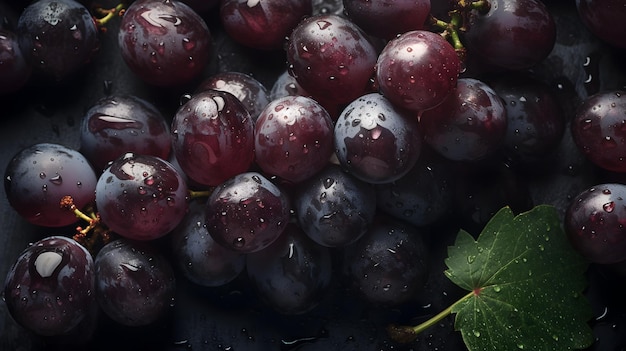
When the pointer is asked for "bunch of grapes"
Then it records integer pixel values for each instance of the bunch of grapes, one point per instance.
(287, 174)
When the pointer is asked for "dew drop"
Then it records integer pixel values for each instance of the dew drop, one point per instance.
(56, 180)
(609, 206)
(239, 242)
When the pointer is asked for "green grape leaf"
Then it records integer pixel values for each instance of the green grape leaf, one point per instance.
(525, 285)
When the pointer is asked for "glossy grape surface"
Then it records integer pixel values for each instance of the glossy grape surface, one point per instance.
(198, 256)
(57, 37)
(469, 125)
(417, 70)
(115, 125)
(135, 283)
(599, 130)
(331, 58)
(334, 208)
(213, 137)
(594, 223)
(164, 42)
(263, 25)
(247, 213)
(14, 70)
(375, 141)
(512, 35)
(246, 88)
(39, 176)
(293, 274)
(388, 265)
(141, 197)
(50, 287)
(388, 18)
(293, 138)
(604, 18)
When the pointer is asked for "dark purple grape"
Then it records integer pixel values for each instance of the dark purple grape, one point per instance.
(50, 287)
(512, 35)
(331, 58)
(141, 197)
(263, 25)
(135, 283)
(15, 72)
(115, 125)
(334, 208)
(39, 176)
(293, 274)
(213, 137)
(202, 6)
(594, 223)
(422, 196)
(57, 37)
(198, 256)
(247, 213)
(286, 85)
(164, 42)
(469, 125)
(293, 138)
(376, 141)
(388, 265)
(389, 18)
(535, 120)
(599, 130)
(417, 70)
(605, 19)
(251, 92)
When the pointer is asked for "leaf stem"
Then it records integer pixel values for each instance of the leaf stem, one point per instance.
(405, 334)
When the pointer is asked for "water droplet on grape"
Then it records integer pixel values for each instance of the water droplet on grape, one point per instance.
(239, 242)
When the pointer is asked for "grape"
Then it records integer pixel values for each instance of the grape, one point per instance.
(141, 197)
(49, 288)
(599, 129)
(422, 196)
(39, 176)
(260, 24)
(535, 121)
(604, 18)
(198, 256)
(331, 58)
(57, 37)
(15, 72)
(594, 223)
(202, 6)
(293, 274)
(115, 125)
(286, 85)
(334, 208)
(247, 89)
(293, 138)
(469, 125)
(135, 284)
(213, 137)
(375, 141)
(387, 19)
(164, 42)
(417, 70)
(247, 213)
(388, 265)
(512, 35)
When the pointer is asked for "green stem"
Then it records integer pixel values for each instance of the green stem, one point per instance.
(482, 6)
(405, 334)
(193, 194)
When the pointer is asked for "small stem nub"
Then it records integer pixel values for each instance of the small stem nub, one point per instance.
(93, 233)
(108, 14)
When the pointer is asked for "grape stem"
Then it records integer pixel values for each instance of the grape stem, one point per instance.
(406, 334)
(108, 14)
(194, 194)
(95, 226)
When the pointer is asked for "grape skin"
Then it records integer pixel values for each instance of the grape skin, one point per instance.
(15, 72)
(165, 43)
(376, 141)
(135, 284)
(605, 18)
(57, 37)
(116, 124)
(141, 197)
(39, 176)
(387, 19)
(51, 297)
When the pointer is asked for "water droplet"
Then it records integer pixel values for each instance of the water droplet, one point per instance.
(476, 333)
(239, 242)
(56, 180)
(609, 206)
(471, 259)
(497, 288)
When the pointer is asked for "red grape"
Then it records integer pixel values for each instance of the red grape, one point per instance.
(15, 72)
(388, 18)
(164, 42)
(604, 18)
(293, 138)
(417, 70)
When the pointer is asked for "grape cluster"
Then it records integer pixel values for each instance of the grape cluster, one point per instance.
(287, 175)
